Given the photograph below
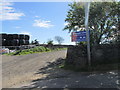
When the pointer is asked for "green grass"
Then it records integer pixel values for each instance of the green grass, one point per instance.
(39, 49)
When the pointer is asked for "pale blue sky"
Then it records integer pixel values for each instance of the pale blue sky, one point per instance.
(42, 20)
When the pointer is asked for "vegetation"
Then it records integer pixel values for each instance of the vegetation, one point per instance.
(104, 20)
(34, 50)
(50, 42)
(35, 41)
(59, 39)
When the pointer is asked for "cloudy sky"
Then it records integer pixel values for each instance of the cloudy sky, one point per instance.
(41, 20)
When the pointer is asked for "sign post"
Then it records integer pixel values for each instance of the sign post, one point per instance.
(84, 35)
(87, 5)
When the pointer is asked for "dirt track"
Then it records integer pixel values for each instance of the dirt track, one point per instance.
(18, 70)
(39, 71)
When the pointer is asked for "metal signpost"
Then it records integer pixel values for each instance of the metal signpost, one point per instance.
(84, 35)
(87, 5)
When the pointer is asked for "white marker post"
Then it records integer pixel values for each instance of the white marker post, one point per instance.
(87, 5)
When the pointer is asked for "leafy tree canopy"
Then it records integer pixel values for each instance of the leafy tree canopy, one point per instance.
(104, 19)
(50, 42)
(35, 42)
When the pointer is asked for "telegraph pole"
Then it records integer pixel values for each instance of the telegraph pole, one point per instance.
(87, 5)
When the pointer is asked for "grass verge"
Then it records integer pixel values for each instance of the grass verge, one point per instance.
(34, 50)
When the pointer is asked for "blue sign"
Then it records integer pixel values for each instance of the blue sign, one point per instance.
(79, 36)
(81, 33)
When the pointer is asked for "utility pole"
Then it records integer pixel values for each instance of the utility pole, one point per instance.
(87, 5)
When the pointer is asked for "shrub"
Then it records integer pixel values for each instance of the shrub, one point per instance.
(48, 49)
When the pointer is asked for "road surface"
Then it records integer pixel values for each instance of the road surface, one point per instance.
(39, 71)
(17, 70)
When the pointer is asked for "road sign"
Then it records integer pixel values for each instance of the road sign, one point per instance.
(79, 36)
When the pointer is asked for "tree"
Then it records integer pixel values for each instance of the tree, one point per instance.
(50, 42)
(59, 39)
(35, 42)
(102, 17)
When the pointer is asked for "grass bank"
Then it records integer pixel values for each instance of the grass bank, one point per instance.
(39, 49)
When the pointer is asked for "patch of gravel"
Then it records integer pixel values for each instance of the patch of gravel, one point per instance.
(18, 70)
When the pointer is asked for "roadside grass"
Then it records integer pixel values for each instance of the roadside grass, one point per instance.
(39, 49)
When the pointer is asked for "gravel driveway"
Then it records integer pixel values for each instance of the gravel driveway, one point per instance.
(19, 70)
(39, 71)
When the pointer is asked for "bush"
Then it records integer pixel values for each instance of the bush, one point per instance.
(48, 49)
(43, 49)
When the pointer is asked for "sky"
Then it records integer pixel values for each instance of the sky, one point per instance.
(40, 20)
